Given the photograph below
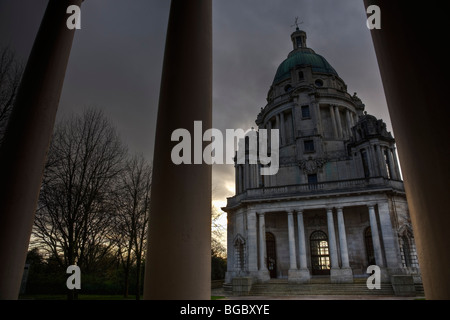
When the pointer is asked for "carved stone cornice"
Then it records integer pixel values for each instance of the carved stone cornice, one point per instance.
(311, 165)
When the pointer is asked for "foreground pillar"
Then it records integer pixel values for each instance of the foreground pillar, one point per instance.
(419, 113)
(178, 264)
(24, 150)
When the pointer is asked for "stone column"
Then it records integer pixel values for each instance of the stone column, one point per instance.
(390, 240)
(277, 121)
(371, 160)
(332, 240)
(241, 178)
(263, 274)
(301, 240)
(282, 130)
(376, 161)
(352, 117)
(375, 237)
(392, 164)
(294, 127)
(24, 149)
(252, 244)
(236, 178)
(349, 123)
(316, 107)
(397, 167)
(381, 161)
(179, 242)
(269, 134)
(342, 239)
(338, 121)
(345, 273)
(291, 235)
(422, 142)
(304, 274)
(333, 122)
(246, 175)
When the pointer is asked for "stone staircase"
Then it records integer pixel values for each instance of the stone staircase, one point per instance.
(318, 286)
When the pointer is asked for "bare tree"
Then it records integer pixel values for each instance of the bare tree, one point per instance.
(133, 203)
(10, 74)
(74, 217)
(217, 233)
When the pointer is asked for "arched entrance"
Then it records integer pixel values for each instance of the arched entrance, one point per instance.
(320, 255)
(271, 254)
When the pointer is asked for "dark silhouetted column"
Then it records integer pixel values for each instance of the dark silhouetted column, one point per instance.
(178, 263)
(414, 69)
(27, 138)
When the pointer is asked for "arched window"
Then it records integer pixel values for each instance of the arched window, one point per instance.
(320, 256)
(369, 246)
(301, 76)
(406, 251)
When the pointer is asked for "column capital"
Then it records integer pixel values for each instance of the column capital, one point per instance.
(371, 204)
(260, 213)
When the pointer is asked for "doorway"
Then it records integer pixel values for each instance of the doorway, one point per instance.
(320, 256)
(271, 255)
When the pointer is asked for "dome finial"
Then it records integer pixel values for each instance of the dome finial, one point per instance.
(296, 24)
(299, 36)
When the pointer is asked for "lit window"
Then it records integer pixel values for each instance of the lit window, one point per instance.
(320, 258)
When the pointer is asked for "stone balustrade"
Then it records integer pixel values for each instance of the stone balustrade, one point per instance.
(343, 186)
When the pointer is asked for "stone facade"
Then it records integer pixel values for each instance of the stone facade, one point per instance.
(337, 203)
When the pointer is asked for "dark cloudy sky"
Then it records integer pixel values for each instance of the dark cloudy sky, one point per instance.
(116, 59)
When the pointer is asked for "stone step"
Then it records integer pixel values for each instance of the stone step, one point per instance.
(272, 288)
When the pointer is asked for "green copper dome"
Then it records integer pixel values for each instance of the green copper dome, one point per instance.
(303, 58)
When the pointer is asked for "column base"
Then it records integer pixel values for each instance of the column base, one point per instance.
(229, 276)
(263, 275)
(341, 275)
(242, 286)
(299, 275)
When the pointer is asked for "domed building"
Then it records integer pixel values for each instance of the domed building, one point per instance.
(337, 203)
